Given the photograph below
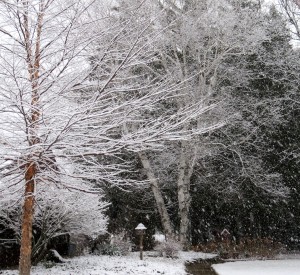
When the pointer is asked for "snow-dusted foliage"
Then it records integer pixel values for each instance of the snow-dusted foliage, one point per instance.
(75, 212)
(58, 212)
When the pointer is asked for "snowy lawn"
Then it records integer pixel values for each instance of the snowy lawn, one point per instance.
(108, 265)
(268, 267)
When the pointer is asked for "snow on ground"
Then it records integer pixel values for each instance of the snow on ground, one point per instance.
(268, 267)
(113, 265)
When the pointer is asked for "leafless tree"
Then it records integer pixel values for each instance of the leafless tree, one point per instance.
(291, 9)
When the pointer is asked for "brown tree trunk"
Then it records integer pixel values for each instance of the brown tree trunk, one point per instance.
(33, 63)
(28, 210)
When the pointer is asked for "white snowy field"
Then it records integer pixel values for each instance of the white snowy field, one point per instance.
(113, 265)
(268, 267)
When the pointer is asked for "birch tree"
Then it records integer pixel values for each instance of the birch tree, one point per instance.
(200, 37)
(157, 125)
(197, 40)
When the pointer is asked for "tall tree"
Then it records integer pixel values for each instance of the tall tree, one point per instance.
(167, 121)
(56, 121)
(197, 41)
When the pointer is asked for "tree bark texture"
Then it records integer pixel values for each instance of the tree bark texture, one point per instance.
(28, 211)
(33, 56)
(185, 170)
(162, 210)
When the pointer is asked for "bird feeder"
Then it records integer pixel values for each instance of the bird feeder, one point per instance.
(140, 231)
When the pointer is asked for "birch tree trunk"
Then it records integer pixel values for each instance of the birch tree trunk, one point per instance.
(162, 210)
(185, 171)
(183, 196)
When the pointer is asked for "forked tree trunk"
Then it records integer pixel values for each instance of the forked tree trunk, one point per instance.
(161, 207)
(28, 211)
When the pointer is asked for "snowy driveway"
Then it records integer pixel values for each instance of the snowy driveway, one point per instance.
(268, 267)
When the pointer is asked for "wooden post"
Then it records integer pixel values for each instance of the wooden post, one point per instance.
(141, 246)
(140, 231)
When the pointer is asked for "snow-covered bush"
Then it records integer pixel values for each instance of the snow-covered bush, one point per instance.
(117, 246)
(169, 248)
(58, 212)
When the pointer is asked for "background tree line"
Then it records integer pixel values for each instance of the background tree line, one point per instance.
(238, 176)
